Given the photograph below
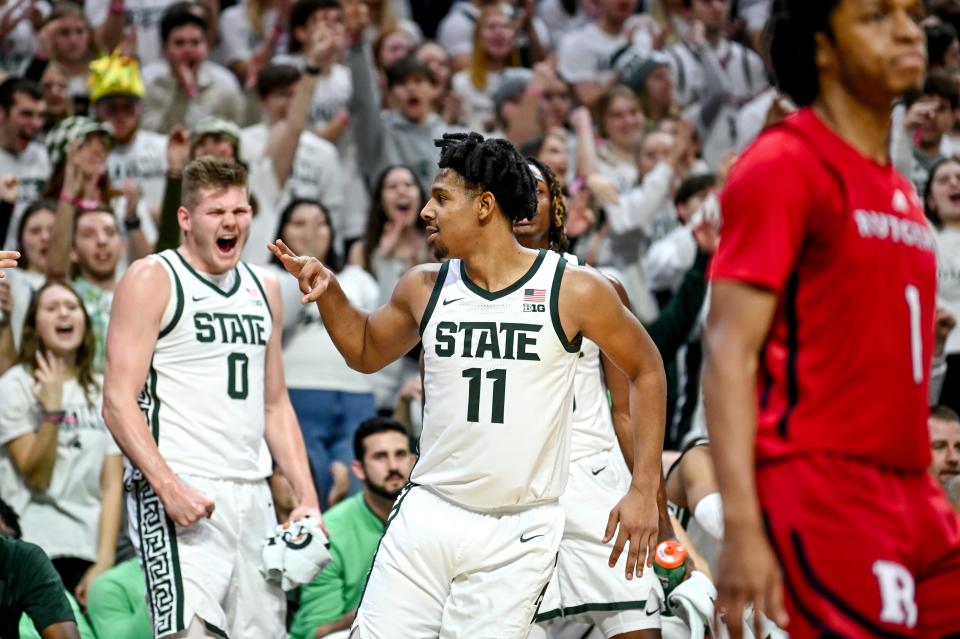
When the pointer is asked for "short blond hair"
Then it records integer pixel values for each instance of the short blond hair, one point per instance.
(210, 173)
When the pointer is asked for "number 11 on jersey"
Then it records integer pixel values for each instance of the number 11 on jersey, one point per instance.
(499, 377)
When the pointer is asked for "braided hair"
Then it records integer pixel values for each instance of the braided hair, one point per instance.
(557, 235)
(491, 165)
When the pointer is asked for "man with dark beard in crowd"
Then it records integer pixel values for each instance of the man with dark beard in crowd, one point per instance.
(382, 461)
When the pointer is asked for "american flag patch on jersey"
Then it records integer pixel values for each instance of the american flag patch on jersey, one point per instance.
(535, 295)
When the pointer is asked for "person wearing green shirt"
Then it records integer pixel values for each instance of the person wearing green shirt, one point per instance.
(382, 461)
(30, 587)
(28, 630)
(117, 603)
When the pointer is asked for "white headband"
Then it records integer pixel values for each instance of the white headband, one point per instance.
(536, 172)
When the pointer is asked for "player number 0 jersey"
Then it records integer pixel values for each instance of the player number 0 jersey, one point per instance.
(498, 380)
(204, 395)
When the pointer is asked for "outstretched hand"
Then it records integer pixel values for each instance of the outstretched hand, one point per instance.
(638, 519)
(311, 274)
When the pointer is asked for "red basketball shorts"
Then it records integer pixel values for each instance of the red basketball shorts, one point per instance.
(865, 552)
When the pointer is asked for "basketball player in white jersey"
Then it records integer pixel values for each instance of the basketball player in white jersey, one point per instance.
(202, 329)
(472, 542)
(583, 586)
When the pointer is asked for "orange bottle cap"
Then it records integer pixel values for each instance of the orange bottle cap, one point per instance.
(671, 554)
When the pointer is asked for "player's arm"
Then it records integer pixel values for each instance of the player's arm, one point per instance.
(138, 305)
(619, 388)
(282, 431)
(368, 341)
(597, 312)
(737, 326)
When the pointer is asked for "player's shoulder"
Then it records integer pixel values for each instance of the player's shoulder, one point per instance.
(423, 275)
(582, 281)
(781, 154)
(151, 268)
(147, 281)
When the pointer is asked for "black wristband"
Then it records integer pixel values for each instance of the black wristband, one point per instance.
(309, 70)
(132, 223)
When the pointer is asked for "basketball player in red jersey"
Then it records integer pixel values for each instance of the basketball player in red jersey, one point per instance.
(819, 344)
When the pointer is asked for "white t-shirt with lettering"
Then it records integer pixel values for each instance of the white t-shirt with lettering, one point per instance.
(64, 520)
(144, 160)
(32, 168)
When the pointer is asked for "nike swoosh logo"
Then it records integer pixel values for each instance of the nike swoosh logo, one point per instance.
(598, 471)
(524, 540)
(445, 302)
(651, 613)
(198, 299)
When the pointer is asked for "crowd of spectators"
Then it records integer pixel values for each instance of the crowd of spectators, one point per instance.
(638, 107)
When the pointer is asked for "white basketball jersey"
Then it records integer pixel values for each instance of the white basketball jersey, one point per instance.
(498, 380)
(592, 424)
(204, 395)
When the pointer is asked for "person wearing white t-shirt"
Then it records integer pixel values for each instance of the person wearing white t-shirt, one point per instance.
(59, 466)
(942, 201)
(478, 83)
(330, 398)
(455, 33)
(620, 125)
(136, 154)
(585, 56)
(186, 86)
(247, 29)
(562, 16)
(111, 17)
(714, 77)
(329, 115)
(33, 239)
(18, 41)
(311, 164)
(21, 120)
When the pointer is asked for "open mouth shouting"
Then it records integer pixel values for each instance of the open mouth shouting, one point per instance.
(226, 244)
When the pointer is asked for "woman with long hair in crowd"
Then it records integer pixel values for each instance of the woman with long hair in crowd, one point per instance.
(393, 243)
(59, 466)
(620, 125)
(70, 42)
(942, 204)
(494, 50)
(330, 398)
(22, 283)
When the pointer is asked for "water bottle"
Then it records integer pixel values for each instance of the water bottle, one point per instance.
(669, 564)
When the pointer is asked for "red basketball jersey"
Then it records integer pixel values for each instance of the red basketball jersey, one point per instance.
(843, 242)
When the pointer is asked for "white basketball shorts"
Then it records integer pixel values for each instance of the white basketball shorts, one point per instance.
(444, 571)
(210, 569)
(584, 584)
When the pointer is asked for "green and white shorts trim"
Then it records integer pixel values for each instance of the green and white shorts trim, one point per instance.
(583, 584)
(155, 536)
(211, 569)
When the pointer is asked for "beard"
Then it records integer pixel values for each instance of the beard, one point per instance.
(440, 252)
(381, 490)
